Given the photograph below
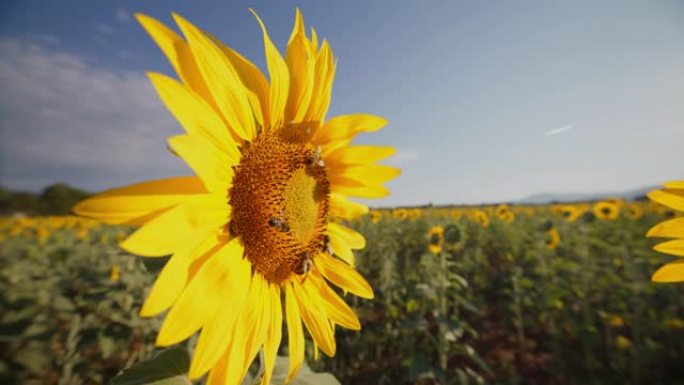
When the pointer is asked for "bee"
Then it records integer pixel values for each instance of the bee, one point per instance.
(315, 159)
(245, 146)
(327, 248)
(305, 264)
(279, 224)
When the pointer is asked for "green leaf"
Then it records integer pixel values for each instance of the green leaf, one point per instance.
(168, 367)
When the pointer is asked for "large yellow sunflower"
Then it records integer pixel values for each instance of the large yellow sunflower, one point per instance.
(250, 237)
(671, 196)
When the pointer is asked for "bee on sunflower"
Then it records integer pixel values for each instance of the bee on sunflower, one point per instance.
(253, 225)
(671, 196)
(606, 210)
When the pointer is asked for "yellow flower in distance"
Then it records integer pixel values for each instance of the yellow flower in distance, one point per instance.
(634, 211)
(606, 210)
(436, 239)
(481, 218)
(504, 213)
(553, 239)
(376, 216)
(400, 213)
(251, 229)
(671, 196)
(570, 212)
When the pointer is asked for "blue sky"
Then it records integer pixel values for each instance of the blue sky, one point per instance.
(487, 101)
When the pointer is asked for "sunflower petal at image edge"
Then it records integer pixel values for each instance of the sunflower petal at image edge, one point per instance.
(252, 238)
(671, 196)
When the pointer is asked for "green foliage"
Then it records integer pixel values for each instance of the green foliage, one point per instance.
(56, 199)
(168, 367)
(495, 306)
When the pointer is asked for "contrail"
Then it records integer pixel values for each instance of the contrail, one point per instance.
(558, 130)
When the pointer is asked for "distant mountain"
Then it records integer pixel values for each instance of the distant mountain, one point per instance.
(541, 198)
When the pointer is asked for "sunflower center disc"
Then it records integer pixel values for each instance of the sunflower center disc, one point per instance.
(280, 199)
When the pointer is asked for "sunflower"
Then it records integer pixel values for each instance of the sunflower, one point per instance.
(453, 237)
(553, 239)
(249, 237)
(376, 216)
(481, 218)
(435, 239)
(570, 212)
(400, 213)
(671, 196)
(634, 211)
(504, 213)
(607, 210)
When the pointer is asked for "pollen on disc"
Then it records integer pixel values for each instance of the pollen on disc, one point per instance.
(280, 201)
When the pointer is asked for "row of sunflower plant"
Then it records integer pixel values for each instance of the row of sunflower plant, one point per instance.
(455, 301)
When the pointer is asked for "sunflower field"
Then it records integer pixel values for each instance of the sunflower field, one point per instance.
(552, 294)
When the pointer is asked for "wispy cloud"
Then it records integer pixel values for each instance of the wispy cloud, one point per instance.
(558, 130)
(63, 119)
(402, 158)
(104, 29)
(122, 16)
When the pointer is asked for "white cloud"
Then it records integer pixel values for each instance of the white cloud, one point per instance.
(122, 16)
(62, 119)
(558, 130)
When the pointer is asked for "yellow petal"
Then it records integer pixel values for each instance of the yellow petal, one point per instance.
(673, 228)
(671, 198)
(191, 111)
(367, 174)
(274, 334)
(203, 296)
(171, 230)
(256, 329)
(253, 79)
(345, 127)
(132, 204)
(216, 333)
(351, 237)
(314, 316)
(342, 207)
(233, 364)
(338, 311)
(301, 66)
(369, 192)
(279, 78)
(358, 155)
(211, 164)
(173, 277)
(675, 185)
(343, 275)
(672, 272)
(324, 75)
(295, 333)
(178, 53)
(675, 247)
(222, 79)
(341, 249)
